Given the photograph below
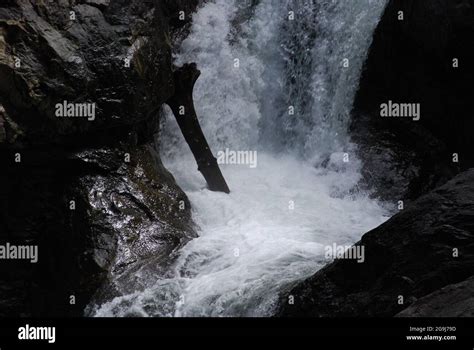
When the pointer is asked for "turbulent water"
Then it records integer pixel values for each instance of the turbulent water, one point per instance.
(278, 78)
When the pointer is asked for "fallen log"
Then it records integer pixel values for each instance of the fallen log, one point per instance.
(182, 105)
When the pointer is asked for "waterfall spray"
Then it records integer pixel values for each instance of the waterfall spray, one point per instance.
(281, 89)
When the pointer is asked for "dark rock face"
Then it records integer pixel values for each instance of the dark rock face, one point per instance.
(138, 218)
(128, 213)
(180, 10)
(80, 60)
(420, 250)
(455, 300)
(412, 61)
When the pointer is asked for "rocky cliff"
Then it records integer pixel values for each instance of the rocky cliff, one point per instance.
(91, 193)
(421, 54)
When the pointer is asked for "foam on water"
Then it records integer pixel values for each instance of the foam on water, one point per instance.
(272, 229)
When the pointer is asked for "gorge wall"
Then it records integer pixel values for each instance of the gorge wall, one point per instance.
(92, 195)
(420, 54)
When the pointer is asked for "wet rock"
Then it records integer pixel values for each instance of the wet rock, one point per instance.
(417, 61)
(424, 248)
(81, 60)
(141, 216)
(92, 195)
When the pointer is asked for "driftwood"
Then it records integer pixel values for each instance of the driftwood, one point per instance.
(182, 105)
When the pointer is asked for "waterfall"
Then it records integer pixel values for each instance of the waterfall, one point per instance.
(278, 78)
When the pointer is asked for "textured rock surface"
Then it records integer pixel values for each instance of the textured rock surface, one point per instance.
(411, 255)
(455, 300)
(411, 61)
(80, 60)
(127, 215)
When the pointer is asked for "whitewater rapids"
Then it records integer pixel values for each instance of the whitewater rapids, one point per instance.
(272, 230)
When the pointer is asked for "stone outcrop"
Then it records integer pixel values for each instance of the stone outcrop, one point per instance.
(421, 53)
(92, 195)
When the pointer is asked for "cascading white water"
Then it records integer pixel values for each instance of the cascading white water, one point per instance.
(272, 229)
